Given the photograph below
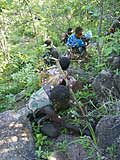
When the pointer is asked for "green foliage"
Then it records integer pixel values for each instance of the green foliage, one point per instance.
(112, 151)
(61, 146)
(42, 143)
(9, 1)
(83, 140)
(87, 145)
(117, 71)
(92, 133)
(25, 25)
(113, 45)
(86, 93)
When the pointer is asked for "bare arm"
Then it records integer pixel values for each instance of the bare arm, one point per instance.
(54, 117)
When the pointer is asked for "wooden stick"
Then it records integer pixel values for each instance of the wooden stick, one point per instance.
(71, 91)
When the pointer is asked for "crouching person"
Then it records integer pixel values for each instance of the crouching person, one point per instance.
(45, 103)
(51, 53)
(76, 47)
(54, 76)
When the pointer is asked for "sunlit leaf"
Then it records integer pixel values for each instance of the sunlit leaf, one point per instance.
(9, 1)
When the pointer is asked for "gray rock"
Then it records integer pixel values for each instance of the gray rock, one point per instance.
(113, 106)
(80, 72)
(24, 111)
(108, 131)
(73, 148)
(105, 86)
(114, 61)
(16, 141)
(117, 82)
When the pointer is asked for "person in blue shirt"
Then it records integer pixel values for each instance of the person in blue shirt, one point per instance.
(75, 39)
(75, 43)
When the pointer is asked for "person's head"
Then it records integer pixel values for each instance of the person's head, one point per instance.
(69, 31)
(115, 25)
(64, 63)
(48, 43)
(60, 96)
(78, 32)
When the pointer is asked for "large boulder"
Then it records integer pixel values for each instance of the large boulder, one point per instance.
(106, 85)
(117, 82)
(16, 141)
(108, 133)
(78, 72)
(73, 148)
(114, 61)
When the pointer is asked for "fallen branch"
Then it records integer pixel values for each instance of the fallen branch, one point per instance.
(71, 91)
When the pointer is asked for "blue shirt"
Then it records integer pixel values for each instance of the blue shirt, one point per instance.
(73, 41)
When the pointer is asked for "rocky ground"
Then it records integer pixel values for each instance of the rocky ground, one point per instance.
(16, 137)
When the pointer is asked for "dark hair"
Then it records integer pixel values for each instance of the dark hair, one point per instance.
(60, 95)
(55, 54)
(78, 29)
(69, 29)
(48, 42)
(64, 63)
(63, 82)
(115, 24)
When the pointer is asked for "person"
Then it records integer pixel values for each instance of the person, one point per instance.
(60, 76)
(51, 52)
(52, 74)
(114, 27)
(75, 43)
(47, 101)
(65, 35)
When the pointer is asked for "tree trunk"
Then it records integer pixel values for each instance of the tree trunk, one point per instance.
(99, 45)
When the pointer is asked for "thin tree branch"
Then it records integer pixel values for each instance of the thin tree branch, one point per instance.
(99, 47)
(30, 11)
(71, 91)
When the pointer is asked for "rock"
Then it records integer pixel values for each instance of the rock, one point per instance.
(58, 156)
(24, 111)
(16, 141)
(108, 131)
(20, 95)
(114, 61)
(80, 72)
(105, 86)
(73, 148)
(20, 104)
(20, 99)
(113, 106)
(50, 130)
(77, 86)
(117, 82)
